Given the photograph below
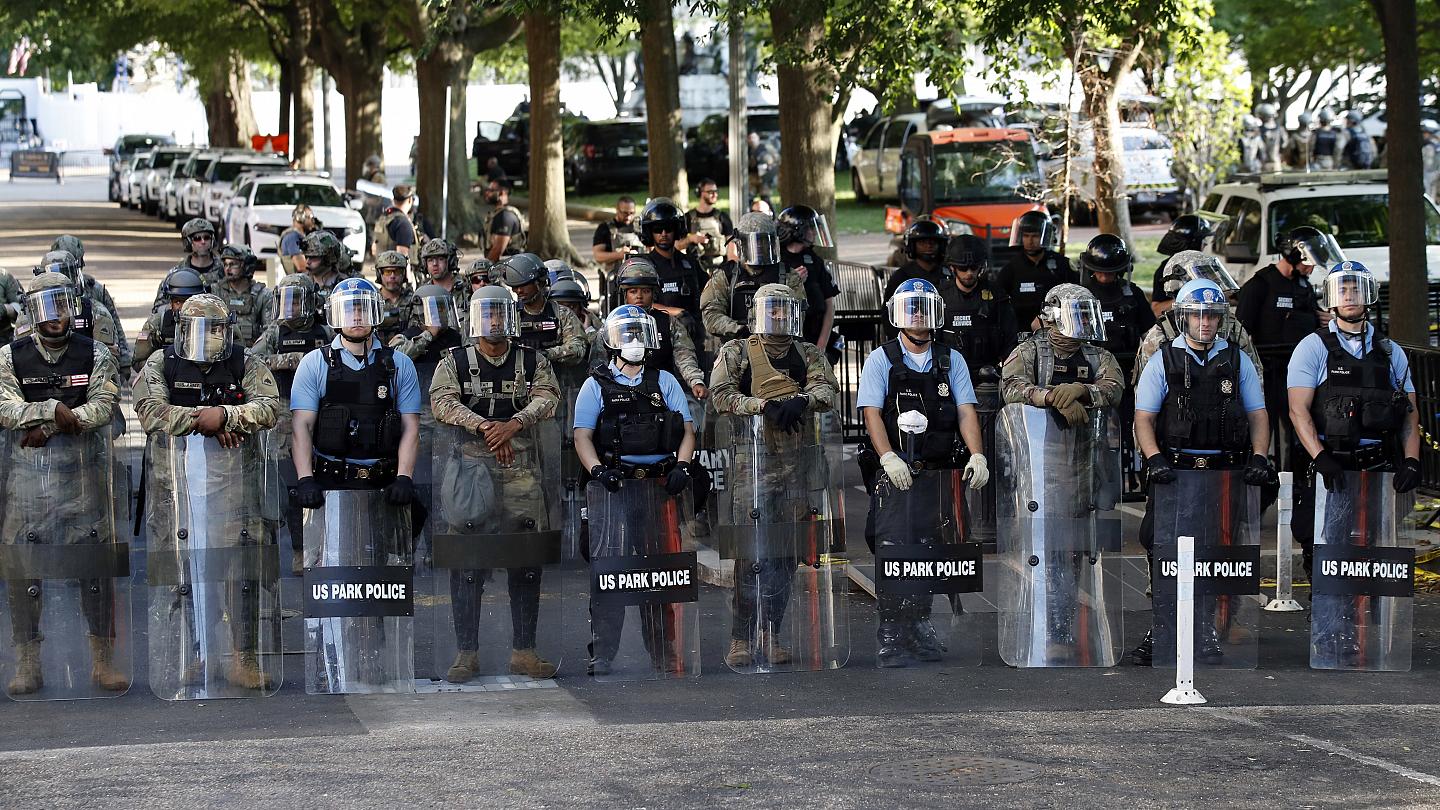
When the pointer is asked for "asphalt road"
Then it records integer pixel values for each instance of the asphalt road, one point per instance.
(1281, 735)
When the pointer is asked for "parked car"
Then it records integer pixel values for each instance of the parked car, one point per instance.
(191, 194)
(134, 179)
(510, 143)
(154, 178)
(873, 169)
(221, 177)
(707, 145)
(122, 155)
(1146, 156)
(170, 189)
(601, 154)
(260, 209)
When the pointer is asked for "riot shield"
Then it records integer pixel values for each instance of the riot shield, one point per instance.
(290, 534)
(212, 567)
(775, 506)
(359, 595)
(490, 515)
(1057, 537)
(644, 583)
(64, 571)
(1362, 590)
(981, 502)
(572, 476)
(1222, 513)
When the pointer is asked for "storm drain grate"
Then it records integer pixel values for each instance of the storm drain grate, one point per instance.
(955, 770)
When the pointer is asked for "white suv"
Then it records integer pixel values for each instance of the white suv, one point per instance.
(1354, 207)
(219, 181)
(260, 211)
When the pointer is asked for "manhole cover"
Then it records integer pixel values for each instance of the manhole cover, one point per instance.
(955, 770)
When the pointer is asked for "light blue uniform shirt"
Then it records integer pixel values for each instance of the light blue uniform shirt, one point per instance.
(588, 404)
(875, 377)
(1151, 390)
(310, 380)
(1307, 364)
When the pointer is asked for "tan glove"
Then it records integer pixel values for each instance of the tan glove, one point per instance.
(1075, 414)
(1064, 395)
(897, 471)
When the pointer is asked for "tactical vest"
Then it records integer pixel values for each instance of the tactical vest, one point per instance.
(1288, 313)
(663, 357)
(929, 393)
(634, 419)
(711, 226)
(1083, 366)
(972, 325)
(85, 319)
(680, 281)
(743, 286)
(1031, 282)
(289, 341)
(495, 391)
(1325, 140)
(517, 240)
(1202, 409)
(358, 416)
(792, 365)
(196, 385)
(622, 237)
(541, 330)
(1119, 303)
(1359, 399)
(243, 305)
(66, 380)
(394, 316)
(166, 335)
(381, 233)
(439, 344)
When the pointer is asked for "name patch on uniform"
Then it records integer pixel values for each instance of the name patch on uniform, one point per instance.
(670, 287)
(351, 591)
(1345, 570)
(1281, 302)
(647, 579)
(1219, 570)
(946, 568)
(1027, 286)
(961, 320)
(62, 381)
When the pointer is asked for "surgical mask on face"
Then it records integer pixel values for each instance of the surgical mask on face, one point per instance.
(632, 354)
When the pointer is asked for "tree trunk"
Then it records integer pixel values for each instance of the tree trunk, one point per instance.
(548, 236)
(1111, 203)
(302, 135)
(464, 211)
(286, 86)
(662, 102)
(807, 125)
(361, 83)
(1408, 318)
(432, 76)
(226, 90)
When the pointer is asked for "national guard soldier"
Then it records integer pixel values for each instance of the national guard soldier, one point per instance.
(91, 318)
(662, 226)
(94, 290)
(295, 332)
(725, 302)
(210, 527)
(481, 273)
(549, 329)
(506, 229)
(1187, 234)
(1201, 426)
(633, 432)
(57, 393)
(159, 329)
(1035, 267)
(1060, 475)
(801, 229)
(710, 228)
(11, 308)
(572, 296)
(328, 263)
(1300, 146)
(248, 300)
(674, 353)
(441, 262)
(356, 408)
(202, 250)
(495, 497)
(769, 391)
(1352, 399)
(397, 299)
(919, 410)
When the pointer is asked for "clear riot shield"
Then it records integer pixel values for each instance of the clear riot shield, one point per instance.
(1362, 591)
(981, 502)
(774, 514)
(644, 583)
(497, 627)
(212, 567)
(290, 534)
(1222, 513)
(63, 569)
(425, 476)
(1057, 537)
(359, 595)
(572, 476)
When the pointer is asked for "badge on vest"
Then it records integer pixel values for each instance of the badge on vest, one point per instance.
(658, 400)
(943, 389)
(1083, 372)
(986, 295)
(1227, 387)
(382, 391)
(1284, 303)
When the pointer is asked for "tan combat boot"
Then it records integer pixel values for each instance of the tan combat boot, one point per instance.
(27, 678)
(102, 667)
(466, 666)
(739, 655)
(244, 671)
(529, 663)
(774, 651)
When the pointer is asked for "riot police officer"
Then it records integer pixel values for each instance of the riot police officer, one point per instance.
(1352, 399)
(545, 327)
(673, 352)
(662, 226)
(1187, 232)
(159, 330)
(725, 303)
(1199, 404)
(56, 381)
(203, 383)
(202, 249)
(632, 423)
(503, 392)
(248, 300)
(979, 320)
(1181, 268)
(397, 299)
(802, 229)
(925, 243)
(919, 409)
(1035, 267)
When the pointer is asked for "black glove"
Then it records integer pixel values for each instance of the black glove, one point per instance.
(308, 494)
(742, 333)
(678, 480)
(1160, 470)
(792, 412)
(772, 411)
(1330, 470)
(1408, 476)
(1259, 473)
(608, 478)
(401, 491)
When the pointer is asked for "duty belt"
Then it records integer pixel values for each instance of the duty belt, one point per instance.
(955, 464)
(1212, 461)
(655, 470)
(380, 473)
(1369, 457)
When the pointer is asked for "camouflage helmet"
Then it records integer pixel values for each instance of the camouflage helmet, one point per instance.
(638, 271)
(62, 262)
(204, 329)
(204, 305)
(295, 298)
(776, 311)
(193, 228)
(1073, 311)
(390, 258)
(327, 248)
(482, 268)
(249, 262)
(50, 297)
(441, 248)
(70, 244)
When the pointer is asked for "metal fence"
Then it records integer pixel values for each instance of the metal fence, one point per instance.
(1425, 368)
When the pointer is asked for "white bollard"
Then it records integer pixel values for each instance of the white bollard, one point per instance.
(1284, 601)
(1184, 693)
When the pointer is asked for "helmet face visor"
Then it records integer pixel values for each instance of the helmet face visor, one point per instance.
(1210, 269)
(1350, 288)
(203, 339)
(779, 315)
(622, 332)
(1080, 319)
(291, 304)
(817, 233)
(917, 310)
(493, 318)
(353, 309)
(758, 249)
(50, 304)
(1320, 250)
(437, 312)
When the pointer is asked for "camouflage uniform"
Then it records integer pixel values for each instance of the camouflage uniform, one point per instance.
(252, 308)
(715, 300)
(11, 310)
(153, 338)
(103, 330)
(212, 275)
(257, 413)
(570, 351)
(1018, 383)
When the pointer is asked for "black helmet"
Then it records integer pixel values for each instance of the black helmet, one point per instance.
(922, 229)
(1037, 222)
(1309, 246)
(522, 269)
(801, 223)
(182, 282)
(1188, 232)
(967, 250)
(661, 214)
(1106, 253)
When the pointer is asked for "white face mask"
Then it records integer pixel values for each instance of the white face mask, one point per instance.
(632, 354)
